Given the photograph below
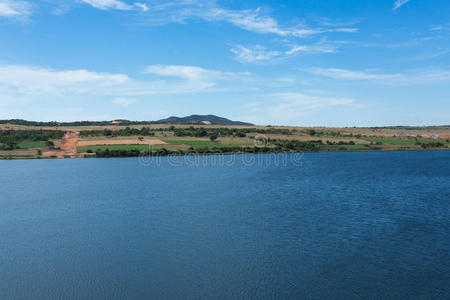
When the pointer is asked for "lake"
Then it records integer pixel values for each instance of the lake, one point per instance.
(362, 225)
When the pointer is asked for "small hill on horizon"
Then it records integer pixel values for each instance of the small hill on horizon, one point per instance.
(193, 119)
(202, 119)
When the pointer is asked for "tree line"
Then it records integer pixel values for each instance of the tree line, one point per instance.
(76, 123)
(10, 139)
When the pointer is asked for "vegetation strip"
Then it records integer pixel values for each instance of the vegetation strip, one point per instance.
(187, 140)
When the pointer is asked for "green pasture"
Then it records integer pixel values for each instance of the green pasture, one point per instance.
(32, 144)
(201, 144)
(344, 147)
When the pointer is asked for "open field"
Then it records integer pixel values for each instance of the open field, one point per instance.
(202, 143)
(128, 147)
(345, 147)
(32, 145)
(402, 142)
(172, 145)
(18, 153)
(18, 141)
(387, 131)
(119, 141)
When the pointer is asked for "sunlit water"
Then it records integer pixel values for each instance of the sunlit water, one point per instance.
(372, 225)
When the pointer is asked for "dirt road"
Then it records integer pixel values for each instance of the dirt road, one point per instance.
(68, 148)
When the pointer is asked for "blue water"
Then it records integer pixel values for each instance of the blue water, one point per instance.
(372, 225)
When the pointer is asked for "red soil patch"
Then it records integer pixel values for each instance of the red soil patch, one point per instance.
(68, 148)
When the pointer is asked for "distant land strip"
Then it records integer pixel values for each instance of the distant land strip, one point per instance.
(26, 139)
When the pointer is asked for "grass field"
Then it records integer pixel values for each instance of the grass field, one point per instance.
(200, 144)
(393, 142)
(131, 147)
(172, 147)
(113, 147)
(32, 145)
(403, 142)
(19, 153)
(345, 147)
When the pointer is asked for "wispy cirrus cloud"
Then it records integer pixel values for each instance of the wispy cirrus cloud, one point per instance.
(320, 48)
(302, 103)
(253, 54)
(125, 102)
(352, 75)
(291, 107)
(108, 4)
(115, 5)
(159, 12)
(142, 6)
(256, 21)
(15, 9)
(399, 3)
(253, 20)
(195, 73)
(260, 54)
(414, 77)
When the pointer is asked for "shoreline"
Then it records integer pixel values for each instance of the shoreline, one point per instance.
(38, 143)
(204, 154)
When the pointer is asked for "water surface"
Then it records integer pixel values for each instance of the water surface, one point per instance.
(372, 225)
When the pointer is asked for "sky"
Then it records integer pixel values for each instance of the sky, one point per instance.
(292, 62)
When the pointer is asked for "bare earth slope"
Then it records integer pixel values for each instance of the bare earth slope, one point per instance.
(68, 147)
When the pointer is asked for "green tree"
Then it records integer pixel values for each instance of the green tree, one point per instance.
(50, 144)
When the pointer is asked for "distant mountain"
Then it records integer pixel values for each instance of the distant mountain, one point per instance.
(201, 119)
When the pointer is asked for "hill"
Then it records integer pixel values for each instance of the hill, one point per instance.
(193, 119)
(202, 119)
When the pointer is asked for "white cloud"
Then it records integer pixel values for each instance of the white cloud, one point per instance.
(124, 101)
(258, 53)
(302, 103)
(108, 4)
(186, 72)
(296, 49)
(142, 6)
(254, 20)
(307, 32)
(35, 92)
(179, 11)
(33, 82)
(353, 75)
(437, 28)
(291, 107)
(428, 76)
(251, 20)
(399, 3)
(194, 73)
(253, 54)
(14, 9)
(311, 49)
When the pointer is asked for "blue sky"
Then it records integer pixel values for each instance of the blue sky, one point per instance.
(302, 62)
